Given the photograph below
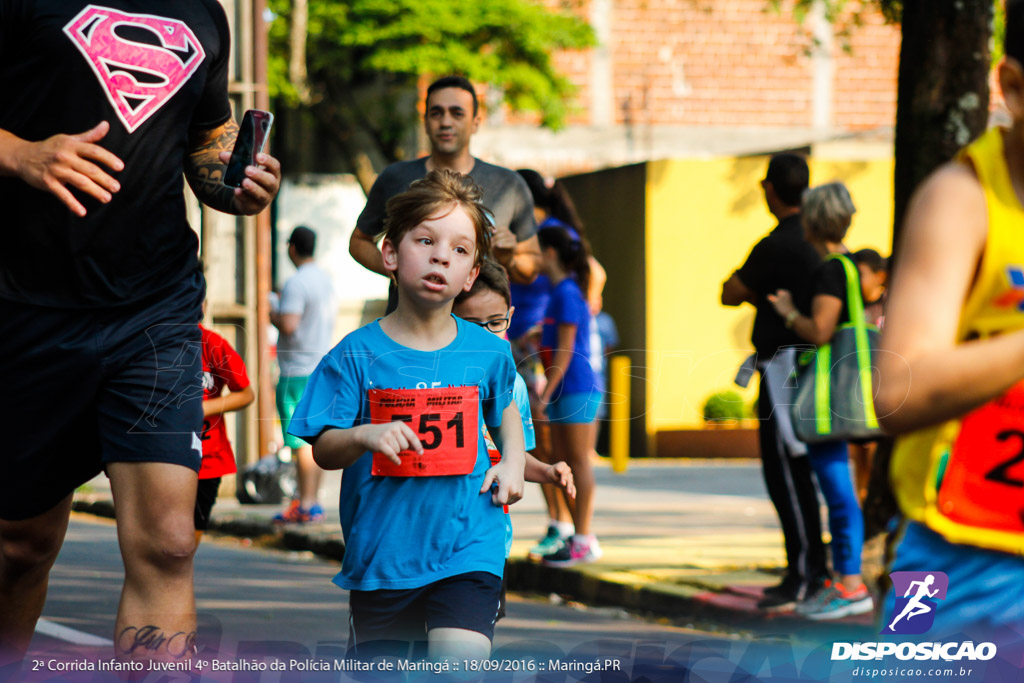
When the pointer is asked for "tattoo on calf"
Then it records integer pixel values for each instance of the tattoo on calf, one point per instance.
(205, 171)
(144, 641)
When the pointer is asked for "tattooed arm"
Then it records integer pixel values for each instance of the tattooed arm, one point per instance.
(209, 152)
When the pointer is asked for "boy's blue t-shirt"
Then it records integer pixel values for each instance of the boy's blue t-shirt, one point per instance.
(407, 532)
(568, 305)
(522, 398)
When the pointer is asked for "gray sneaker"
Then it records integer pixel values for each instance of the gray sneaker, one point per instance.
(835, 602)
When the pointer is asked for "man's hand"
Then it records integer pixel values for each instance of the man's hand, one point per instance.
(259, 187)
(56, 162)
(503, 245)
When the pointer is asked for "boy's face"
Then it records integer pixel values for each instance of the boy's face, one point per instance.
(435, 260)
(486, 306)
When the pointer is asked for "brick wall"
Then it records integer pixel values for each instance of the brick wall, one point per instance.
(865, 84)
(731, 63)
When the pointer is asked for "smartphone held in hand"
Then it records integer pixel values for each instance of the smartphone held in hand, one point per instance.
(252, 137)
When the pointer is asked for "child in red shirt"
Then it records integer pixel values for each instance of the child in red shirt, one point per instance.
(222, 367)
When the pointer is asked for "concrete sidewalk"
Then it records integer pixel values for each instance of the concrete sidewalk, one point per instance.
(693, 541)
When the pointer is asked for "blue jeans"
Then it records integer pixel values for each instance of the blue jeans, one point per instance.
(831, 464)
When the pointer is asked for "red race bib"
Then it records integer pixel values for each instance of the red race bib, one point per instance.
(446, 420)
(983, 485)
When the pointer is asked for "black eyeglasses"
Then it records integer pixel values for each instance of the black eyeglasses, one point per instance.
(496, 325)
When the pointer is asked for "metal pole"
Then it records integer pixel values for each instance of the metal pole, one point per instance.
(265, 407)
(618, 440)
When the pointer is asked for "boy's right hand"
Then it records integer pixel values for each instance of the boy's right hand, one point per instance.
(389, 439)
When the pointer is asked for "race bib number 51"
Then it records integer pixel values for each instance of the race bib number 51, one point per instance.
(446, 422)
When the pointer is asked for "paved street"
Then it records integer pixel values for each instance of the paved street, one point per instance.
(255, 601)
(689, 544)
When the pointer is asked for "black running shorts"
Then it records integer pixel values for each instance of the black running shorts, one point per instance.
(85, 387)
(396, 622)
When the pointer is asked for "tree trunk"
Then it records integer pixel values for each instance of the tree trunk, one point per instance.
(942, 99)
(297, 37)
(942, 104)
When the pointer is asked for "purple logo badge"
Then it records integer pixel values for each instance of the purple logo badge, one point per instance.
(916, 593)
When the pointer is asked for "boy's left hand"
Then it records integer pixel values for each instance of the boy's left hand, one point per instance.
(509, 480)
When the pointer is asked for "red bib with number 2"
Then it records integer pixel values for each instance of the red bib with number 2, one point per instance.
(446, 420)
(983, 484)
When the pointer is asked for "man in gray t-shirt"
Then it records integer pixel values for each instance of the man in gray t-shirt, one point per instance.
(305, 319)
(451, 118)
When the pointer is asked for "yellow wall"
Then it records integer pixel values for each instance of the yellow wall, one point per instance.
(703, 217)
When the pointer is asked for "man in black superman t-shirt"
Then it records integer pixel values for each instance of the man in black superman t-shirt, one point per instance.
(105, 107)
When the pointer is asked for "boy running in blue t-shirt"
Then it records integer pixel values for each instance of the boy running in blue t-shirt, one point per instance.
(399, 405)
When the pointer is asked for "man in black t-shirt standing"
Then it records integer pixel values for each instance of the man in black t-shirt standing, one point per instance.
(782, 260)
(100, 292)
(452, 117)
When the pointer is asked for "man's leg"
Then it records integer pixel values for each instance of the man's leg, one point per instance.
(28, 549)
(155, 504)
(792, 492)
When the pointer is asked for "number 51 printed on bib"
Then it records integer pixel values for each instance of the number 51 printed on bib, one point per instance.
(446, 420)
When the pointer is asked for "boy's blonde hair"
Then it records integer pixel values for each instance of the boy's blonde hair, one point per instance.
(431, 195)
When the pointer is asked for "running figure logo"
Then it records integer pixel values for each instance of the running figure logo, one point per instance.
(916, 592)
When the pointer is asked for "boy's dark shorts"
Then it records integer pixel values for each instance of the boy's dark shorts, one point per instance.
(85, 387)
(206, 496)
(387, 622)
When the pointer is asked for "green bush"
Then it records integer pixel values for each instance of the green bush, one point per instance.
(725, 406)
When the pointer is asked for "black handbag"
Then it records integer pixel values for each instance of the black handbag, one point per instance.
(835, 397)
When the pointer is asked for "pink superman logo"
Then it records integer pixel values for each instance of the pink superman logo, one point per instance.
(141, 60)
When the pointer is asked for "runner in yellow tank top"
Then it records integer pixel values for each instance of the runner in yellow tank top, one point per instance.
(952, 386)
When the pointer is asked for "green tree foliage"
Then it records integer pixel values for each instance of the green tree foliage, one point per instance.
(845, 16)
(363, 58)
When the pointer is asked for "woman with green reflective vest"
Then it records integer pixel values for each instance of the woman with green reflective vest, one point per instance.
(826, 213)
